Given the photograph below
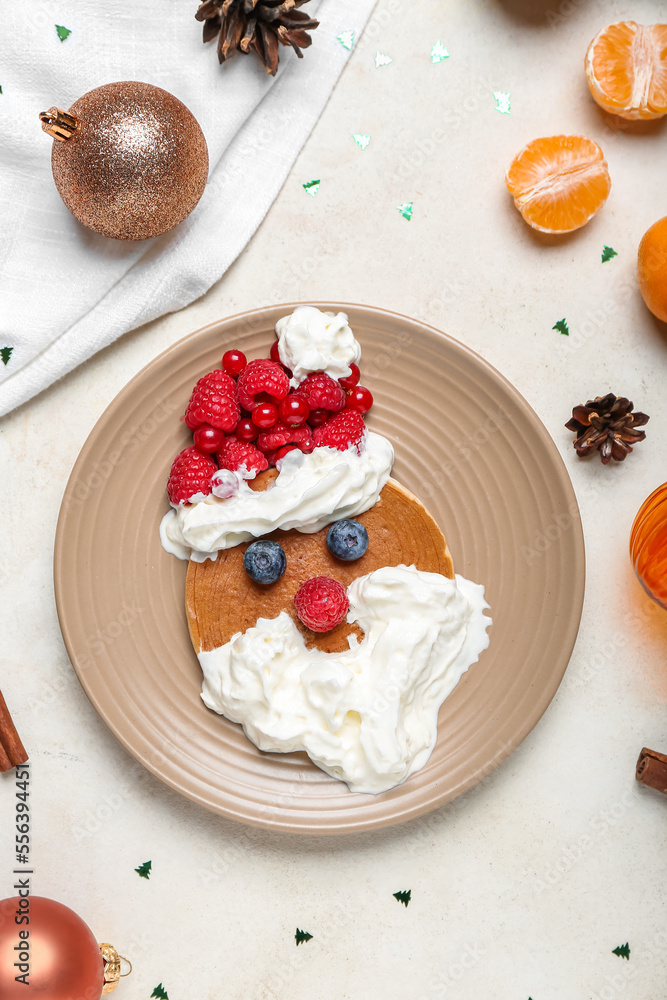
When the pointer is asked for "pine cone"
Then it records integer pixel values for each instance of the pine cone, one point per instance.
(242, 25)
(608, 424)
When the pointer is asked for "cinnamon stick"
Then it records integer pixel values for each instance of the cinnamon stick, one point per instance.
(11, 748)
(652, 769)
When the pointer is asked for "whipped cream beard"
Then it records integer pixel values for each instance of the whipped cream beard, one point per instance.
(310, 340)
(367, 716)
(309, 492)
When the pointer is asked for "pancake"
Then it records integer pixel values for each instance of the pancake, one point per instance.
(221, 599)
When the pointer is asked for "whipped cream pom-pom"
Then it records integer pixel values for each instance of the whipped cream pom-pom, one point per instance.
(310, 340)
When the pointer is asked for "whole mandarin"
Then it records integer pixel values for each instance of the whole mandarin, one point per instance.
(652, 268)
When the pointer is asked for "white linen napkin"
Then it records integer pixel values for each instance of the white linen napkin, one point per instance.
(66, 292)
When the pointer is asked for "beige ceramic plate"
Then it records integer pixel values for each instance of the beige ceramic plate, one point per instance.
(489, 473)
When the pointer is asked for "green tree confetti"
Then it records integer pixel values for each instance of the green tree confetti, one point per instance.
(63, 33)
(403, 897)
(623, 951)
(144, 870)
(503, 100)
(439, 53)
(346, 39)
(311, 188)
(382, 59)
(0, 90)
(406, 209)
(562, 327)
(302, 936)
(361, 139)
(608, 253)
(160, 993)
(5, 354)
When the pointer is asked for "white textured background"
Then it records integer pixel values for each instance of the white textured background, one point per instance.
(523, 887)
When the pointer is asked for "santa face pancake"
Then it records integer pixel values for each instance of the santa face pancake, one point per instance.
(321, 596)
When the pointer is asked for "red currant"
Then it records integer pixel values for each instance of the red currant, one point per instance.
(208, 439)
(283, 451)
(234, 362)
(351, 380)
(275, 356)
(360, 399)
(294, 410)
(246, 430)
(265, 415)
(318, 417)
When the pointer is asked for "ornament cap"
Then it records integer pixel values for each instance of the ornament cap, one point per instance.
(59, 124)
(112, 973)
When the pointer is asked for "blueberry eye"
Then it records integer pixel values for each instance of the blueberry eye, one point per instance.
(347, 540)
(264, 561)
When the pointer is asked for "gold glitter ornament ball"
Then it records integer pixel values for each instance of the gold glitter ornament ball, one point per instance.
(129, 160)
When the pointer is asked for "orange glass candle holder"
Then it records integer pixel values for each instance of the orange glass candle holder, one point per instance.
(648, 545)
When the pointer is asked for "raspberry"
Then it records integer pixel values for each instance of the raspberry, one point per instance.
(281, 434)
(322, 392)
(190, 474)
(223, 379)
(341, 432)
(213, 401)
(235, 453)
(321, 603)
(264, 376)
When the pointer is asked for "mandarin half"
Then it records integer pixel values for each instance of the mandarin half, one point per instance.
(626, 69)
(559, 182)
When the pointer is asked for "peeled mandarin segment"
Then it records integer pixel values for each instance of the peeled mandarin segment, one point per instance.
(559, 182)
(626, 69)
(652, 268)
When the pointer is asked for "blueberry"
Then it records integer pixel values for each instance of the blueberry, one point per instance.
(347, 540)
(264, 561)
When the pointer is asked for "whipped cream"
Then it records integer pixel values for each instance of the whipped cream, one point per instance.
(310, 340)
(309, 492)
(367, 716)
